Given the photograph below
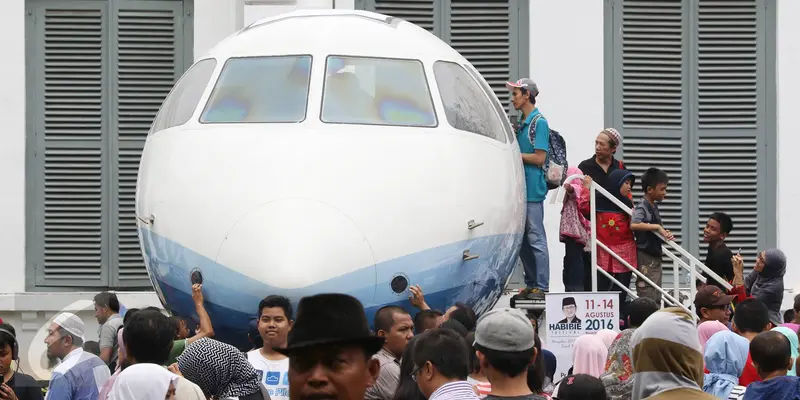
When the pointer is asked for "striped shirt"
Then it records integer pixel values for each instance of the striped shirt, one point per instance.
(737, 393)
(483, 388)
(458, 390)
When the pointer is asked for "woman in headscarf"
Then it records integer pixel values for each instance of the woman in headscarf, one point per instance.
(793, 341)
(607, 336)
(589, 355)
(765, 281)
(618, 375)
(667, 362)
(708, 329)
(144, 382)
(220, 370)
(725, 357)
(613, 227)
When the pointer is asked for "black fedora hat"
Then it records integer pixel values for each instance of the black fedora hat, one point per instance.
(328, 319)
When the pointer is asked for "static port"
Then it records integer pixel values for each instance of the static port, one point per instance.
(197, 276)
(399, 284)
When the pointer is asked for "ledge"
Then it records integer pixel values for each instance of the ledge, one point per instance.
(70, 301)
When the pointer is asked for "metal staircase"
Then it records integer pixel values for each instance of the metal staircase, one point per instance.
(680, 296)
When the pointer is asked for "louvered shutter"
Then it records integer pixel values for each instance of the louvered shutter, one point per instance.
(649, 78)
(419, 12)
(147, 40)
(481, 32)
(69, 246)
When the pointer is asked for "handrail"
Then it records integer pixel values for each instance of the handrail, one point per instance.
(677, 262)
(675, 246)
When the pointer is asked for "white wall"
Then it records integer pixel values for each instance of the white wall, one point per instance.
(12, 149)
(567, 65)
(788, 49)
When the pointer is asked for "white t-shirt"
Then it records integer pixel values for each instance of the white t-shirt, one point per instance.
(274, 374)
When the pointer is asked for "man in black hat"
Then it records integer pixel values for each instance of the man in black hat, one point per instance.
(330, 349)
(570, 308)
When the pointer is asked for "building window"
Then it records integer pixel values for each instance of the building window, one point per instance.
(98, 73)
(260, 90)
(376, 91)
(692, 88)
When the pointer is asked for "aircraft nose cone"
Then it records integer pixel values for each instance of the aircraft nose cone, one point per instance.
(295, 243)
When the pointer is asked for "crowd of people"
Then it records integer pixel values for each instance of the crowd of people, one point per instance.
(737, 346)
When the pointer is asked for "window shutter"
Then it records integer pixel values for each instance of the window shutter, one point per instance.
(649, 81)
(730, 119)
(147, 43)
(67, 113)
(419, 12)
(481, 32)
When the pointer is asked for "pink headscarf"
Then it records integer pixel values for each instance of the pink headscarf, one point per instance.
(708, 329)
(575, 183)
(607, 336)
(589, 355)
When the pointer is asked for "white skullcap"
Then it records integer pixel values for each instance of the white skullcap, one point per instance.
(70, 323)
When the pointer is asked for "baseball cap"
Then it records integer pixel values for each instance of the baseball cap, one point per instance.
(711, 296)
(524, 83)
(70, 323)
(505, 329)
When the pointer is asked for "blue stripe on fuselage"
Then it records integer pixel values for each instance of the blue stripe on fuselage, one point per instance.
(232, 298)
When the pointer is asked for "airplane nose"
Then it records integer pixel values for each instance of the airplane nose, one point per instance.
(295, 243)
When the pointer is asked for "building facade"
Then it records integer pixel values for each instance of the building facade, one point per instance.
(699, 88)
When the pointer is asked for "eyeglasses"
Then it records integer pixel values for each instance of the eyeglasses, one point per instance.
(414, 373)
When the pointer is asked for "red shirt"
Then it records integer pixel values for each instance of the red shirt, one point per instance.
(749, 375)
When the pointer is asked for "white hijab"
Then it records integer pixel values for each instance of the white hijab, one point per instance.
(143, 382)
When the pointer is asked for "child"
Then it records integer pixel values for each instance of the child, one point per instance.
(614, 230)
(772, 356)
(718, 258)
(645, 220)
(574, 232)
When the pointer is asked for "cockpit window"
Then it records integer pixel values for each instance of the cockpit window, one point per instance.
(260, 90)
(182, 101)
(376, 91)
(466, 105)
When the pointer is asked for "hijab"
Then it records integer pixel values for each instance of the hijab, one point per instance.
(793, 342)
(607, 336)
(589, 355)
(618, 375)
(708, 329)
(768, 287)
(123, 354)
(143, 382)
(219, 369)
(666, 355)
(613, 185)
(725, 357)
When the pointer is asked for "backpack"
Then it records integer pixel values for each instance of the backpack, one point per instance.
(555, 164)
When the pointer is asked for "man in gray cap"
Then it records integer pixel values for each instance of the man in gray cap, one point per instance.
(504, 341)
(533, 137)
(81, 374)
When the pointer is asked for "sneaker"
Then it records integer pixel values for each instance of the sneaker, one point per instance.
(535, 294)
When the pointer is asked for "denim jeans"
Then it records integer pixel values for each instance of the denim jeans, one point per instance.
(534, 254)
(573, 274)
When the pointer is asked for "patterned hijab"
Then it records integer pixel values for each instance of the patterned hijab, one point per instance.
(666, 356)
(618, 375)
(218, 369)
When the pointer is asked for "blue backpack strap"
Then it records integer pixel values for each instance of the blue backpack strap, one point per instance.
(532, 130)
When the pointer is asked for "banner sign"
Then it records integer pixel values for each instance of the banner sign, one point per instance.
(570, 315)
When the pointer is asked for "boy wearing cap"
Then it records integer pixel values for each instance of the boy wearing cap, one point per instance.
(505, 346)
(80, 374)
(712, 304)
(533, 137)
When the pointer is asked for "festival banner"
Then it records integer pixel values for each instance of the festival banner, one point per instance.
(570, 315)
